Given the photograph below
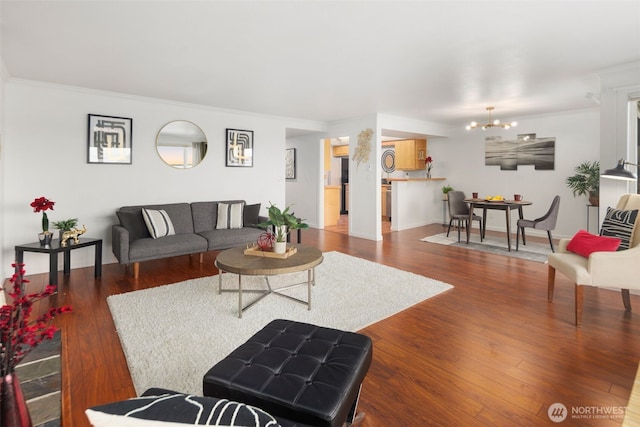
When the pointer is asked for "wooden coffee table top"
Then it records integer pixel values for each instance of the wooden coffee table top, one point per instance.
(235, 261)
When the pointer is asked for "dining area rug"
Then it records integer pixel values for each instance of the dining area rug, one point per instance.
(532, 251)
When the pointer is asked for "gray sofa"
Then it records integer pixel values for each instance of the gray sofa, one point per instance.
(195, 232)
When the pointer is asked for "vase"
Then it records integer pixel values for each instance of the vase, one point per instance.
(280, 247)
(428, 174)
(13, 409)
(45, 238)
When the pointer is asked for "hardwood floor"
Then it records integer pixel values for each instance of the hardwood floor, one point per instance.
(491, 351)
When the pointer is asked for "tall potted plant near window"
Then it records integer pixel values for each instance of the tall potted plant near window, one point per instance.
(586, 181)
(282, 222)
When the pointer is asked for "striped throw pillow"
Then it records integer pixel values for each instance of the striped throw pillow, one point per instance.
(158, 223)
(620, 224)
(229, 215)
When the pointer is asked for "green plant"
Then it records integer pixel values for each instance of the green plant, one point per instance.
(66, 224)
(446, 189)
(282, 222)
(586, 181)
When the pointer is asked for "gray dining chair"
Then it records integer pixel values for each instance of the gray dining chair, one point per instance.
(546, 222)
(459, 212)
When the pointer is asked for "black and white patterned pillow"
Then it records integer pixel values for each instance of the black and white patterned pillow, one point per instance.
(158, 223)
(229, 215)
(158, 407)
(620, 224)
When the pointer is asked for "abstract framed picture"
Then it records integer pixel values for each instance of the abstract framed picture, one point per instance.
(290, 163)
(109, 140)
(239, 148)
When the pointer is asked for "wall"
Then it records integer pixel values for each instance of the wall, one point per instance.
(459, 157)
(617, 139)
(461, 160)
(45, 138)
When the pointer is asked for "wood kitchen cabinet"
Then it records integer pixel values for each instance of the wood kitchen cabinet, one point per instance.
(331, 205)
(340, 151)
(410, 154)
(385, 190)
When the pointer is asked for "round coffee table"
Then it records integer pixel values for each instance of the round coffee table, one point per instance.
(235, 261)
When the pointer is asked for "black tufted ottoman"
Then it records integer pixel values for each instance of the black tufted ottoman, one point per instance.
(302, 372)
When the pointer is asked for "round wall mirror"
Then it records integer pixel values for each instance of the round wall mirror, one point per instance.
(181, 144)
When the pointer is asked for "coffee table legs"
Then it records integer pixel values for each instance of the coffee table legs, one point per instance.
(310, 282)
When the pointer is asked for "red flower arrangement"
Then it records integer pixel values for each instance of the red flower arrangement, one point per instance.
(429, 162)
(41, 204)
(18, 335)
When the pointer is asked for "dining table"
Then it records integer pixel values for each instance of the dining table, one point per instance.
(505, 205)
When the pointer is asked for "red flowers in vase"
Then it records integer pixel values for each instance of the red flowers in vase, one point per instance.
(429, 162)
(41, 204)
(18, 334)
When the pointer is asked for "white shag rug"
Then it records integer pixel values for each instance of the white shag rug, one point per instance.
(171, 335)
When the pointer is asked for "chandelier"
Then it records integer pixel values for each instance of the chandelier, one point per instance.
(491, 123)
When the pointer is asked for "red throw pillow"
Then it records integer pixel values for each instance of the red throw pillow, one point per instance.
(584, 243)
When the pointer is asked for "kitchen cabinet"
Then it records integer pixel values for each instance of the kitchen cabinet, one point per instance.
(410, 154)
(385, 193)
(340, 151)
(331, 205)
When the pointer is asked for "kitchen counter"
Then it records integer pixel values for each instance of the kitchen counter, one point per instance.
(415, 179)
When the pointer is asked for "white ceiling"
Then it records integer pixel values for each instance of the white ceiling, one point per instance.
(437, 61)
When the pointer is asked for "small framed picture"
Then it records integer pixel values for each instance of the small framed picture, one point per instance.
(239, 148)
(290, 162)
(109, 140)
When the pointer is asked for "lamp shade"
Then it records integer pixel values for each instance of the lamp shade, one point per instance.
(619, 172)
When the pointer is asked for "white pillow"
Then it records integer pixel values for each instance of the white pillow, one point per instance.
(158, 223)
(229, 215)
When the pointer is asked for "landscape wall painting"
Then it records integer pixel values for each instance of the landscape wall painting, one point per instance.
(526, 150)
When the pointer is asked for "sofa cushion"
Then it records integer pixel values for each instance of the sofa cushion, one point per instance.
(205, 214)
(229, 216)
(180, 214)
(621, 224)
(179, 244)
(134, 223)
(251, 214)
(158, 407)
(225, 239)
(584, 243)
(158, 223)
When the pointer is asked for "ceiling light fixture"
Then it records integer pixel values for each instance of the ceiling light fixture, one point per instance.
(491, 123)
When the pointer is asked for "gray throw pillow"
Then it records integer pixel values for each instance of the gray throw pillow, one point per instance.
(133, 222)
(251, 214)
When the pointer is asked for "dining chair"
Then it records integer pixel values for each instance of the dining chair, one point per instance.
(546, 222)
(459, 211)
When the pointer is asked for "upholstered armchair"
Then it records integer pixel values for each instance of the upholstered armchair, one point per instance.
(618, 270)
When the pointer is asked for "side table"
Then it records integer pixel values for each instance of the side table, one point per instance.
(54, 249)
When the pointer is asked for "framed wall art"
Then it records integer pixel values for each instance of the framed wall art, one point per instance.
(527, 149)
(109, 140)
(290, 162)
(239, 148)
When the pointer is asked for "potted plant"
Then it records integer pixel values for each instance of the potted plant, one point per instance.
(445, 192)
(586, 181)
(65, 225)
(282, 222)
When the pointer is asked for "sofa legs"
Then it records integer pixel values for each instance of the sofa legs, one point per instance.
(136, 270)
(579, 300)
(551, 279)
(626, 299)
